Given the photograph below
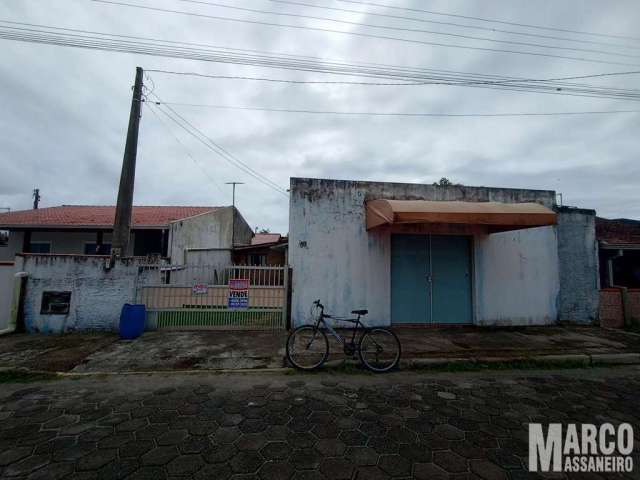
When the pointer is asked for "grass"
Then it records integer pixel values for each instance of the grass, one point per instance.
(23, 376)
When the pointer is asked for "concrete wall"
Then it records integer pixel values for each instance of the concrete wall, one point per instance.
(97, 294)
(8, 253)
(211, 230)
(334, 258)
(216, 258)
(578, 255)
(7, 281)
(516, 277)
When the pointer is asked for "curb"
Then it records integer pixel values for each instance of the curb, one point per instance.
(580, 360)
(585, 360)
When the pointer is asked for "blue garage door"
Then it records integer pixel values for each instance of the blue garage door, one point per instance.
(430, 279)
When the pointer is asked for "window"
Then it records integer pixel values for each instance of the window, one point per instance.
(4, 238)
(92, 249)
(40, 247)
(55, 303)
(257, 260)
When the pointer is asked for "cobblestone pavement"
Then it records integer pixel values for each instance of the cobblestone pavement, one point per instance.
(278, 426)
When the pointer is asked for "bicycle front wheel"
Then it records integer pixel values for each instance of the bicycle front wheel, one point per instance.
(307, 347)
(379, 350)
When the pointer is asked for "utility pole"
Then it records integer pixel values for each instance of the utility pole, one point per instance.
(36, 198)
(233, 212)
(124, 207)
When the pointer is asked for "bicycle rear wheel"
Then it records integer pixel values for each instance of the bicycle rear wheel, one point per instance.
(307, 347)
(379, 350)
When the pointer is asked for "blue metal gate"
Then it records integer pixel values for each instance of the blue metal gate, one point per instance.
(430, 279)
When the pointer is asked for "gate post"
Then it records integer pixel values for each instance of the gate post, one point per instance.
(285, 299)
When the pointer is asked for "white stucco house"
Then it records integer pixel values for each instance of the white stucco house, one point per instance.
(440, 255)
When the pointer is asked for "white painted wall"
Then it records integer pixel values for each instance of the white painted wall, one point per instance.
(8, 253)
(97, 294)
(334, 258)
(216, 258)
(516, 277)
(211, 230)
(7, 280)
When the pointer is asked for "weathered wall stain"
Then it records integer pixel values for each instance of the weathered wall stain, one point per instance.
(516, 274)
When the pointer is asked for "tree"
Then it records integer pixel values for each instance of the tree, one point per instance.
(444, 182)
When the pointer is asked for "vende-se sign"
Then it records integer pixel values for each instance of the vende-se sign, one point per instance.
(238, 293)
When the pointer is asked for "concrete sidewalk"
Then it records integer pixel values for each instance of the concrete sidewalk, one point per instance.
(216, 350)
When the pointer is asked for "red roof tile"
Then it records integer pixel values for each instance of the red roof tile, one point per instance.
(96, 216)
(261, 238)
(618, 231)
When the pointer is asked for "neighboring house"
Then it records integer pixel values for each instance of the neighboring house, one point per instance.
(166, 231)
(619, 249)
(208, 238)
(266, 249)
(440, 255)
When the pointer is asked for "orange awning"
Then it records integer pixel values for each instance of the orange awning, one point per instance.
(499, 216)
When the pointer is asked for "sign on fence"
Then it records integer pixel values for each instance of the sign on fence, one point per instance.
(200, 289)
(238, 293)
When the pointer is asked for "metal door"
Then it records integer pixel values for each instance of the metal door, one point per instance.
(451, 279)
(430, 279)
(410, 269)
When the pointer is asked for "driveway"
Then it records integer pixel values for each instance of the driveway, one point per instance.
(315, 426)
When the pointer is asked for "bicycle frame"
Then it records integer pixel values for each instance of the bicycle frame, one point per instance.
(332, 331)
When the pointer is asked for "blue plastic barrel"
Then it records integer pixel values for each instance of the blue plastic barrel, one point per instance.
(132, 321)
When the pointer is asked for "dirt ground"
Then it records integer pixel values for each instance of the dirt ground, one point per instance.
(52, 353)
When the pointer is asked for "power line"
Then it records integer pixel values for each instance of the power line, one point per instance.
(401, 29)
(360, 34)
(329, 82)
(186, 150)
(396, 114)
(452, 24)
(215, 147)
(173, 49)
(489, 20)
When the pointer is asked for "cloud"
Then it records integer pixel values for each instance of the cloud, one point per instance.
(65, 111)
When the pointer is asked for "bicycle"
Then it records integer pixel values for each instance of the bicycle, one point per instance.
(308, 346)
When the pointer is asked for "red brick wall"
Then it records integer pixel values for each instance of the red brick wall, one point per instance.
(634, 304)
(611, 312)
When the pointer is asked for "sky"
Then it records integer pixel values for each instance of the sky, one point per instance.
(64, 111)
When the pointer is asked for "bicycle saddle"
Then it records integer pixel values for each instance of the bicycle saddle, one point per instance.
(359, 312)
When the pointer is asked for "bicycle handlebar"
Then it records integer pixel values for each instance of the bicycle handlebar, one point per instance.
(318, 304)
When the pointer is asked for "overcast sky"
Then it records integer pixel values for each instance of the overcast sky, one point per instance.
(64, 111)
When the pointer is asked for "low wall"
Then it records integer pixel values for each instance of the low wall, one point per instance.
(97, 292)
(615, 312)
(633, 304)
(611, 311)
(7, 281)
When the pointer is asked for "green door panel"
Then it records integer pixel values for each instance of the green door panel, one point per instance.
(451, 277)
(410, 300)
